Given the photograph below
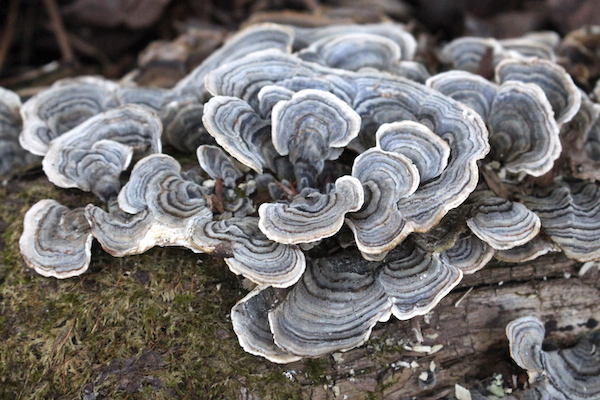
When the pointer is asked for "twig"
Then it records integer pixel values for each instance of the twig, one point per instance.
(59, 31)
(9, 30)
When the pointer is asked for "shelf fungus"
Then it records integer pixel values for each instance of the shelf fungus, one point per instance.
(481, 55)
(174, 203)
(565, 374)
(248, 252)
(556, 83)
(523, 134)
(56, 241)
(238, 129)
(250, 319)
(501, 223)
(311, 127)
(397, 33)
(338, 301)
(569, 214)
(531, 250)
(218, 165)
(386, 177)
(12, 155)
(92, 155)
(250, 40)
(62, 107)
(469, 254)
(353, 51)
(311, 215)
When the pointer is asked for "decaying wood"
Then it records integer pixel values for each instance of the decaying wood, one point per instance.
(471, 330)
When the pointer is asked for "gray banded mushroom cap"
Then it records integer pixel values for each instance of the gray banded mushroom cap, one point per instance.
(92, 155)
(466, 87)
(418, 143)
(156, 184)
(556, 83)
(415, 280)
(531, 250)
(270, 95)
(353, 51)
(248, 252)
(566, 374)
(466, 53)
(523, 133)
(251, 324)
(12, 155)
(386, 178)
(238, 129)
(121, 234)
(333, 307)
(311, 216)
(218, 165)
(312, 127)
(570, 216)
(250, 40)
(469, 254)
(407, 43)
(501, 223)
(56, 241)
(62, 107)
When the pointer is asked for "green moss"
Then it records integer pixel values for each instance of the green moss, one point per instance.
(63, 338)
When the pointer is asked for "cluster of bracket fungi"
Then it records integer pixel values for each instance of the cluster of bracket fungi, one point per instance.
(339, 174)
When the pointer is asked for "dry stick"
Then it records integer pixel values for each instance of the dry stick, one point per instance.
(9, 31)
(59, 31)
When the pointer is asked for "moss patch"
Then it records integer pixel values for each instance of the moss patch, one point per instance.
(149, 326)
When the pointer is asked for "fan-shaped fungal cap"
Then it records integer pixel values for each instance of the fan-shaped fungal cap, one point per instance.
(469, 254)
(218, 165)
(308, 126)
(525, 336)
(270, 95)
(386, 178)
(156, 184)
(418, 143)
(332, 308)
(251, 324)
(557, 84)
(311, 216)
(416, 281)
(567, 374)
(353, 51)
(121, 234)
(238, 129)
(65, 105)
(530, 47)
(501, 223)
(523, 134)
(248, 252)
(466, 53)
(466, 87)
(250, 40)
(12, 155)
(304, 37)
(183, 128)
(531, 250)
(570, 215)
(56, 241)
(92, 155)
